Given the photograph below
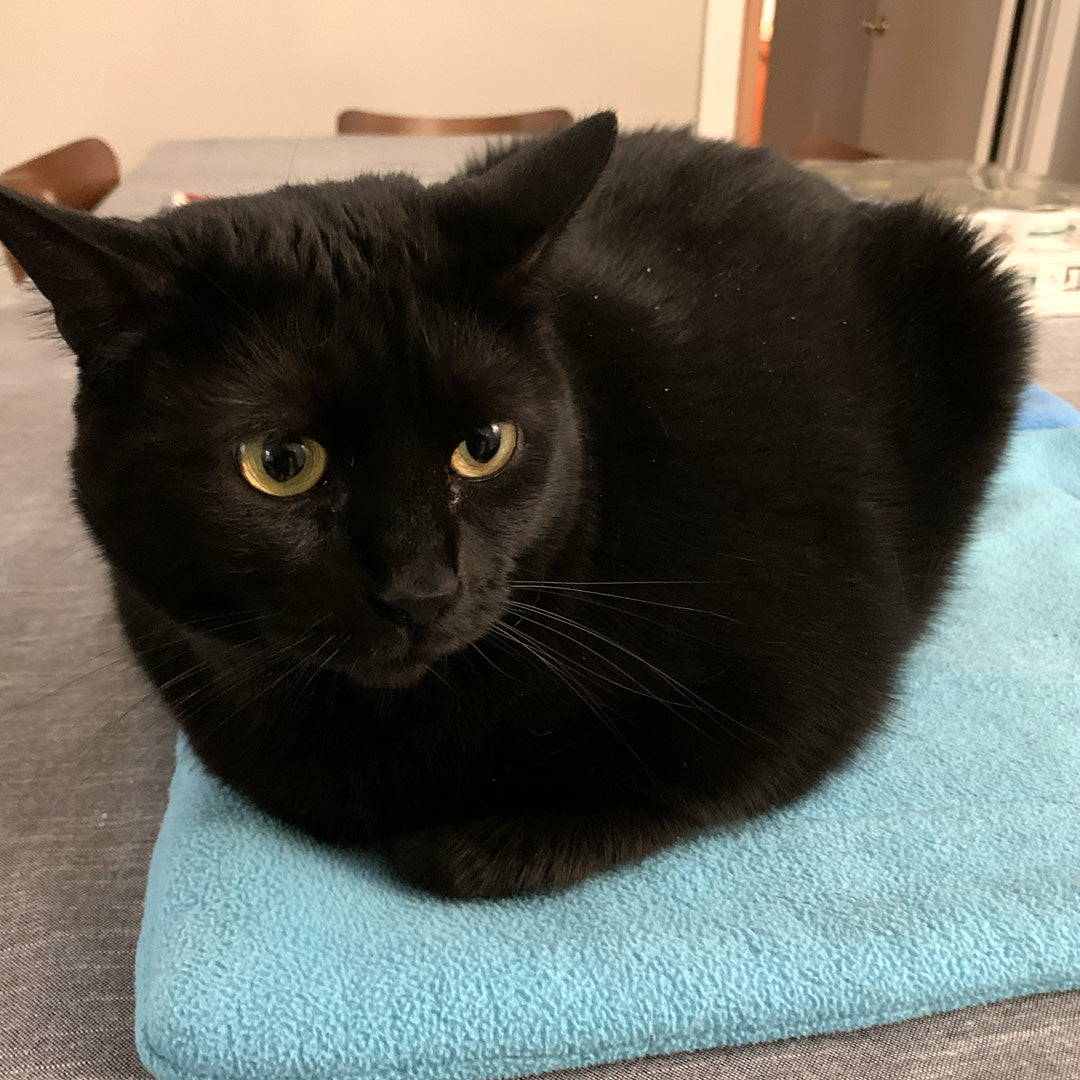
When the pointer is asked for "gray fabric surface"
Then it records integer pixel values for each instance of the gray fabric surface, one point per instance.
(1024, 1039)
(86, 750)
(83, 760)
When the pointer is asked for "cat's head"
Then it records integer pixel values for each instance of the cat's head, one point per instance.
(334, 410)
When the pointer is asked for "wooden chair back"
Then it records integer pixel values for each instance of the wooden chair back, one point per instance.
(79, 175)
(359, 122)
(824, 148)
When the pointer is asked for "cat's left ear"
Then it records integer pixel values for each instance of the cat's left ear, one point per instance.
(98, 273)
(502, 219)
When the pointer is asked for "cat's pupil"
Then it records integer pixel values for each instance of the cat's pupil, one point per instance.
(483, 444)
(284, 460)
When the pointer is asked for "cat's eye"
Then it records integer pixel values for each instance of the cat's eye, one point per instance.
(484, 451)
(282, 466)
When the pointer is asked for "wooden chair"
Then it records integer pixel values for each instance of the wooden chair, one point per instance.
(358, 122)
(79, 175)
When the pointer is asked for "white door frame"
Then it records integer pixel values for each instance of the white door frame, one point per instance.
(1039, 79)
(994, 80)
(721, 53)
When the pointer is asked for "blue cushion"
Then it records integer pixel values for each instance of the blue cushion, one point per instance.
(939, 869)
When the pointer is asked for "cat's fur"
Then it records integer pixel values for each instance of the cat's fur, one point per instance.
(756, 420)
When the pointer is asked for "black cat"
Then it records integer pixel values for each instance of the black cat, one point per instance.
(526, 523)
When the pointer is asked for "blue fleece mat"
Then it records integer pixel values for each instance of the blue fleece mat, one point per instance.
(941, 868)
(1040, 409)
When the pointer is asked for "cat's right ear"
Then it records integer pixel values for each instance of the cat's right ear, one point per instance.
(97, 273)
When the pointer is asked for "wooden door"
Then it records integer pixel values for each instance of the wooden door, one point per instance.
(899, 78)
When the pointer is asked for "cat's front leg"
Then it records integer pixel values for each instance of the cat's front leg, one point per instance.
(534, 852)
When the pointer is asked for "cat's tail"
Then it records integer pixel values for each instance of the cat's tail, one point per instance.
(943, 294)
(950, 336)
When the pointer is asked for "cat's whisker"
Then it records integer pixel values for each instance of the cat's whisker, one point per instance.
(519, 607)
(74, 681)
(89, 739)
(667, 626)
(125, 647)
(126, 712)
(642, 581)
(635, 686)
(691, 696)
(476, 646)
(640, 688)
(556, 588)
(432, 670)
(298, 665)
(543, 655)
(604, 719)
(563, 665)
(244, 674)
(315, 674)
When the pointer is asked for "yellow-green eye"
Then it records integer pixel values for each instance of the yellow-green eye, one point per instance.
(282, 466)
(484, 451)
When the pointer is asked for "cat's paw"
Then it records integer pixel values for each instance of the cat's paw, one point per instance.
(475, 860)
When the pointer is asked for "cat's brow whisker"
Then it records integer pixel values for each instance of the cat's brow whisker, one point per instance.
(192, 266)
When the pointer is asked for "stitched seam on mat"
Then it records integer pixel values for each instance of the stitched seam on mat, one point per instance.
(430, 1064)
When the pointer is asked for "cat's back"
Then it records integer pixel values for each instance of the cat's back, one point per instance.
(705, 286)
(704, 204)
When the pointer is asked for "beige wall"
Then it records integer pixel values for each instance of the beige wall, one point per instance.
(139, 71)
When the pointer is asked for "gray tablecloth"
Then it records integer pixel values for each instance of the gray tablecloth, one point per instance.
(86, 749)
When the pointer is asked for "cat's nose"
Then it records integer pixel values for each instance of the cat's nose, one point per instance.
(416, 600)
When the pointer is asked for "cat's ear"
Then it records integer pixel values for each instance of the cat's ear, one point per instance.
(502, 218)
(98, 273)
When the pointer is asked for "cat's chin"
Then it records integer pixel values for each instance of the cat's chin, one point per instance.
(374, 672)
(389, 676)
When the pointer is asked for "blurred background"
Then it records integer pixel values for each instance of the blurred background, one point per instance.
(975, 80)
(975, 103)
(138, 72)
(979, 80)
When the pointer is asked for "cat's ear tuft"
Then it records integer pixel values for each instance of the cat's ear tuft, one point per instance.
(502, 217)
(96, 272)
